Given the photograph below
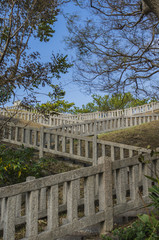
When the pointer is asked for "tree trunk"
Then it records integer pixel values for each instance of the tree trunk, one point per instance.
(154, 6)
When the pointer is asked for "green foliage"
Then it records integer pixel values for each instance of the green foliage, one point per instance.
(154, 195)
(21, 67)
(121, 101)
(89, 107)
(60, 65)
(17, 164)
(45, 29)
(57, 93)
(5, 94)
(57, 103)
(107, 103)
(146, 227)
(59, 106)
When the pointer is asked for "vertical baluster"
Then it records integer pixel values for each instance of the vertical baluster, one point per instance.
(35, 138)
(52, 213)
(71, 146)
(145, 181)
(56, 142)
(134, 176)
(103, 150)
(48, 140)
(135, 121)
(18, 205)
(3, 208)
(140, 172)
(16, 134)
(31, 137)
(86, 149)
(72, 200)
(105, 194)
(121, 153)
(28, 136)
(106, 124)
(118, 122)
(131, 122)
(79, 148)
(121, 185)
(63, 144)
(22, 136)
(89, 207)
(110, 124)
(65, 191)
(42, 201)
(130, 153)
(112, 153)
(32, 214)
(41, 142)
(9, 220)
(10, 133)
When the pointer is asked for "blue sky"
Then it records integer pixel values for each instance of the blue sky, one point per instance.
(57, 45)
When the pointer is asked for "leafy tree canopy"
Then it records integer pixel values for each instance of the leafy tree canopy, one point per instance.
(116, 101)
(20, 21)
(57, 104)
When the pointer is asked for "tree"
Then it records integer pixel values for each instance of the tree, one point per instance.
(113, 102)
(57, 104)
(20, 21)
(117, 46)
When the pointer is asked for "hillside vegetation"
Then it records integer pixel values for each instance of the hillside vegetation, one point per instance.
(145, 135)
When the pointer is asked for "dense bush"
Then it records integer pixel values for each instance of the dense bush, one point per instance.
(17, 164)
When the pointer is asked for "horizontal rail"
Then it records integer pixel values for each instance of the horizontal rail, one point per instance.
(115, 185)
(59, 119)
(81, 148)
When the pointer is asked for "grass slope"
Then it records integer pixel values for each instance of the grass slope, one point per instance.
(141, 136)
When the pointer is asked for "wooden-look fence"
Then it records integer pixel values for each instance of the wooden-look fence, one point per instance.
(93, 127)
(84, 149)
(56, 120)
(70, 201)
(48, 120)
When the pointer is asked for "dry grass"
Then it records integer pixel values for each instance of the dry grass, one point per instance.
(22, 122)
(144, 135)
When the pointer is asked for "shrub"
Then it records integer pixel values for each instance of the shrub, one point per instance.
(17, 164)
(146, 227)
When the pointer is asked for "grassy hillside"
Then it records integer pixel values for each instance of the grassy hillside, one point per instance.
(141, 136)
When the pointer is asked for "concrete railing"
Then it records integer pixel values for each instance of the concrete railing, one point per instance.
(84, 149)
(150, 107)
(48, 120)
(92, 127)
(56, 120)
(70, 201)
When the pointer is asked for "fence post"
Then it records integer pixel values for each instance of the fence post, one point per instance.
(32, 202)
(9, 219)
(41, 142)
(95, 144)
(106, 194)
